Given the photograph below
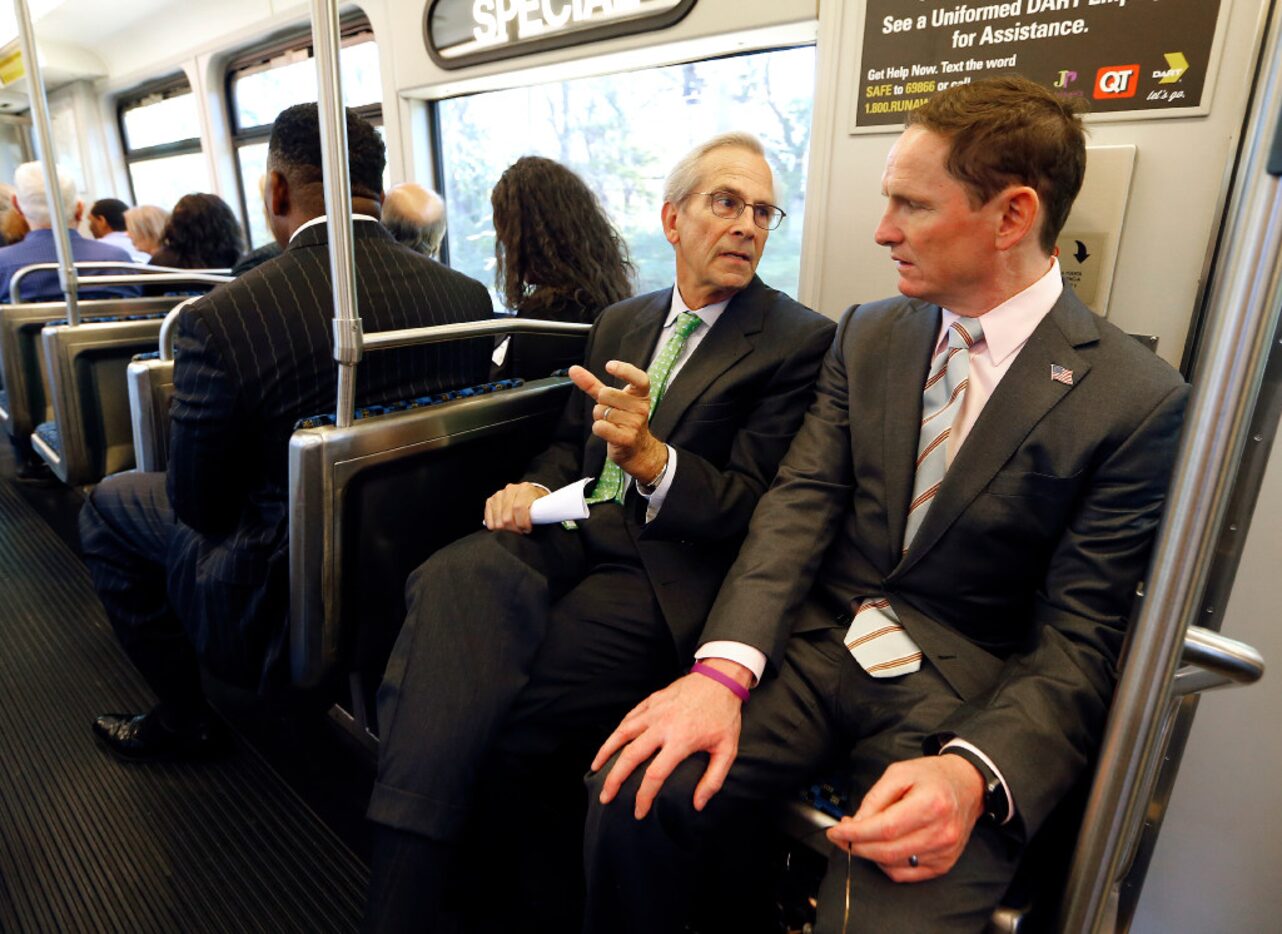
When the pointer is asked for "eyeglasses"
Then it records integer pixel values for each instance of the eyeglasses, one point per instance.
(726, 204)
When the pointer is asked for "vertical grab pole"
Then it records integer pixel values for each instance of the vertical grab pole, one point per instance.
(48, 159)
(348, 342)
(1243, 308)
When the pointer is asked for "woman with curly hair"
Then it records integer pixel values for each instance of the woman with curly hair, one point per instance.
(559, 258)
(201, 233)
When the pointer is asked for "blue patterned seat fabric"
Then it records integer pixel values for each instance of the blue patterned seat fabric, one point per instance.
(48, 433)
(329, 418)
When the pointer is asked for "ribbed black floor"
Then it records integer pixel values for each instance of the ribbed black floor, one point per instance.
(91, 844)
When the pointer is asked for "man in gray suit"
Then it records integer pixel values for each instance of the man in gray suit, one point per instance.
(938, 583)
(523, 645)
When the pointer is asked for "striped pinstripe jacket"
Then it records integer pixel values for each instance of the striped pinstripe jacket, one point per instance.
(253, 357)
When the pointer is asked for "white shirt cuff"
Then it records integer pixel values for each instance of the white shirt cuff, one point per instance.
(752, 659)
(1010, 801)
(656, 498)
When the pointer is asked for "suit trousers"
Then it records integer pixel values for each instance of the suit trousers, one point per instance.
(131, 538)
(823, 714)
(519, 654)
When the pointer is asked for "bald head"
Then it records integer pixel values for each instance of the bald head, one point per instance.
(415, 216)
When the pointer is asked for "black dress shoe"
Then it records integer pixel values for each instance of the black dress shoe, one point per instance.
(144, 738)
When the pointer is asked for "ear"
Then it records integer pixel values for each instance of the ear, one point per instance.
(1020, 216)
(13, 199)
(277, 194)
(80, 210)
(670, 223)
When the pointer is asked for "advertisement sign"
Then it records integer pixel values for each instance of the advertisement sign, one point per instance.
(469, 32)
(1138, 57)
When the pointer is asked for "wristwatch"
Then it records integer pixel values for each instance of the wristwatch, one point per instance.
(647, 489)
(996, 808)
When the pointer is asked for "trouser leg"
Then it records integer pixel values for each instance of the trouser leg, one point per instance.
(127, 529)
(606, 649)
(477, 614)
(642, 875)
(821, 702)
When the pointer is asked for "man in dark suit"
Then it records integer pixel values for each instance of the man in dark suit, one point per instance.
(192, 567)
(946, 633)
(524, 644)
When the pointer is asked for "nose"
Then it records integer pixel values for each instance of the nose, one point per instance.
(743, 225)
(887, 233)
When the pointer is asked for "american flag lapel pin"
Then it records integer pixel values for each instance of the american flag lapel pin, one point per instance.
(1061, 374)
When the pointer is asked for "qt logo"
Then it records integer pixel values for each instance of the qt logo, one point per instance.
(1114, 81)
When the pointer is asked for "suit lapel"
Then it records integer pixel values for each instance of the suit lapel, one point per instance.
(724, 346)
(1022, 398)
(908, 363)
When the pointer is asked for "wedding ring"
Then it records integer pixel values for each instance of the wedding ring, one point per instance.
(605, 416)
(913, 861)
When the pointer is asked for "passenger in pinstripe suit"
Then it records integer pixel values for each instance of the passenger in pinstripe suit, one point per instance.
(192, 568)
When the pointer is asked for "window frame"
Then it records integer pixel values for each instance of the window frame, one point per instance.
(435, 133)
(269, 54)
(173, 85)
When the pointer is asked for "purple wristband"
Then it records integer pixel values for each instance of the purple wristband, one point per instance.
(737, 689)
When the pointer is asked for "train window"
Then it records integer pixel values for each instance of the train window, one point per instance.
(621, 133)
(160, 127)
(264, 81)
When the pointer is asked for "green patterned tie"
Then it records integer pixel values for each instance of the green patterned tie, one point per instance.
(612, 482)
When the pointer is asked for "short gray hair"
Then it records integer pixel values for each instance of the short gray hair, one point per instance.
(29, 181)
(684, 178)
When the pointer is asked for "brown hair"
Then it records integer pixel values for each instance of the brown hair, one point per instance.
(1011, 131)
(554, 242)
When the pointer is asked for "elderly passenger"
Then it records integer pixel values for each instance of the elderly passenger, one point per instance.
(30, 201)
(523, 644)
(145, 225)
(415, 216)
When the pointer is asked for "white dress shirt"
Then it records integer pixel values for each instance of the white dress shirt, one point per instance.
(322, 219)
(121, 239)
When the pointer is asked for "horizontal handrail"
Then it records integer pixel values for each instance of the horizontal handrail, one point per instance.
(407, 337)
(167, 328)
(145, 269)
(1211, 660)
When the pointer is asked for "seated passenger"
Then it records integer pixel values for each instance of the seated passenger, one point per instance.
(201, 233)
(523, 645)
(13, 226)
(946, 635)
(415, 216)
(192, 568)
(558, 257)
(30, 202)
(145, 225)
(107, 224)
(270, 249)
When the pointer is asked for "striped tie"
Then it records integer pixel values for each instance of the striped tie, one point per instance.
(612, 483)
(875, 637)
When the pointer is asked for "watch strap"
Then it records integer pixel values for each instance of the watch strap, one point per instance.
(995, 806)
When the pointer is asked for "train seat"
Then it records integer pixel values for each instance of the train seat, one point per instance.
(85, 368)
(150, 383)
(26, 401)
(370, 502)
